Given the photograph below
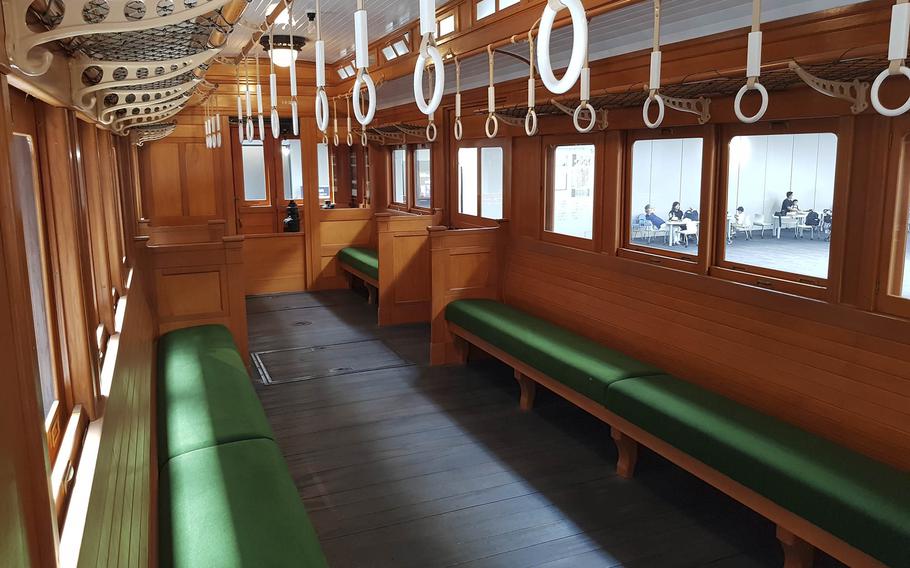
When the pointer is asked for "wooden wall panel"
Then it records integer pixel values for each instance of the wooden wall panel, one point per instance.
(274, 264)
(201, 181)
(119, 524)
(162, 181)
(337, 229)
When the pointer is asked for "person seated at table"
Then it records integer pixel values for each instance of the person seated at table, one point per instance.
(789, 204)
(676, 213)
(795, 207)
(650, 215)
(742, 222)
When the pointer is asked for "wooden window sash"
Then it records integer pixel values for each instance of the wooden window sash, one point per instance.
(895, 240)
(551, 143)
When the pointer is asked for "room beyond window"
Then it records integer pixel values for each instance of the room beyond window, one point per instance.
(570, 191)
(423, 181)
(666, 194)
(780, 202)
(481, 181)
(254, 171)
(292, 170)
(399, 175)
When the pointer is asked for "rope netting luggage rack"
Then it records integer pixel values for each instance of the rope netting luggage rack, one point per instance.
(847, 79)
(129, 58)
(397, 133)
(141, 134)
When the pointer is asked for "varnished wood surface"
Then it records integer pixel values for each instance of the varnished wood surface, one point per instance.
(429, 467)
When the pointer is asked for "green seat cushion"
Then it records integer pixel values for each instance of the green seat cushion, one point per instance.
(363, 259)
(861, 501)
(234, 505)
(205, 396)
(581, 364)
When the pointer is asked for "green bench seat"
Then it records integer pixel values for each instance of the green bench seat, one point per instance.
(579, 363)
(232, 506)
(205, 397)
(861, 501)
(225, 497)
(363, 260)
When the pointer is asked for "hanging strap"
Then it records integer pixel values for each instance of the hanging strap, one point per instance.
(350, 137)
(459, 128)
(531, 117)
(753, 70)
(654, 80)
(897, 56)
(492, 125)
(335, 119)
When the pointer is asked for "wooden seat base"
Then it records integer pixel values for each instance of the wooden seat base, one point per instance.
(798, 537)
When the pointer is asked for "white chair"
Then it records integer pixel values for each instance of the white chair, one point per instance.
(745, 229)
(645, 229)
(690, 229)
(758, 221)
(802, 227)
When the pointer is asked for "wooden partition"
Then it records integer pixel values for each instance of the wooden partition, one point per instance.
(465, 263)
(404, 266)
(274, 264)
(197, 279)
(338, 229)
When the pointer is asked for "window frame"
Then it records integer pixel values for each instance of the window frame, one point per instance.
(895, 240)
(685, 261)
(444, 15)
(240, 190)
(827, 288)
(409, 205)
(280, 201)
(498, 9)
(549, 145)
(463, 219)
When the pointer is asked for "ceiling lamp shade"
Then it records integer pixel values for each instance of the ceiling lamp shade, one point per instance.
(285, 51)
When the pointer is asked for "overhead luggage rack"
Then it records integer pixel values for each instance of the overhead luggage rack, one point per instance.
(853, 75)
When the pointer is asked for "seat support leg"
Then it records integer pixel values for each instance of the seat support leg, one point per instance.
(628, 453)
(372, 294)
(797, 552)
(461, 350)
(528, 390)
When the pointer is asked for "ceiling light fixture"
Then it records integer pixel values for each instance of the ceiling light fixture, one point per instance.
(286, 48)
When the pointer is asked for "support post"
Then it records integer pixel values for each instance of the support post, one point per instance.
(797, 552)
(528, 390)
(627, 449)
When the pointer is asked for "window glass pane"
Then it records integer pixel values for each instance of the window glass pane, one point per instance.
(485, 8)
(389, 53)
(446, 25)
(401, 47)
(292, 169)
(322, 163)
(781, 187)
(253, 171)
(25, 180)
(666, 192)
(399, 175)
(572, 191)
(352, 165)
(506, 3)
(491, 183)
(422, 178)
(467, 181)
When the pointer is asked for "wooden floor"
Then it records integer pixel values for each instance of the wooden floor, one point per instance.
(417, 466)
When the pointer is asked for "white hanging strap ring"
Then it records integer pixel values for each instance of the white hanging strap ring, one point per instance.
(584, 105)
(362, 61)
(363, 138)
(335, 139)
(350, 137)
(753, 70)
(531, 117)
(492, 125)
(579, 45)
(459, 128)
(431, 132)
(897, 54)
(322, 110)
(654, 81)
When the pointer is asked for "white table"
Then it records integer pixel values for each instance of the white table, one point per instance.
(801, 216)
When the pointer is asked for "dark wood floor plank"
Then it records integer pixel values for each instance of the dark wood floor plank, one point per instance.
(423, 467)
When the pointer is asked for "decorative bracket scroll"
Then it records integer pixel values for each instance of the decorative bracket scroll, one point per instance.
(139, 136)
(603, 115)
(141, 99)
(855, 92)
(26, 48)
(510, 120)
(124, 123)
(118, 74)
(700, 107)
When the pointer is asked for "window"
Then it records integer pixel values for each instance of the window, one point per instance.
(666, 194)
(489, 7)
(423, 178)
(353, 173)
(323, 171)
(780, 203)
(396, 48)
(481, 182)
(445, 25)
(292, 170)
(389, 53)
(399, 175)
(893, 286)
(253, 156)
(570, 191)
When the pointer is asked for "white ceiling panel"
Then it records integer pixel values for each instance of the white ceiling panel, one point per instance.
(385, 16)
(623, 31)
